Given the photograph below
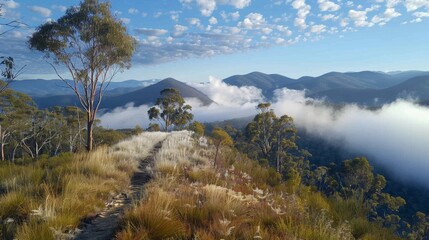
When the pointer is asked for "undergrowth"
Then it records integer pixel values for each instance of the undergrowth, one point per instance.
(239, 199)
(49, 198)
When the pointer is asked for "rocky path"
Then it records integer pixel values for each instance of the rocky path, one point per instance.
(105, 225)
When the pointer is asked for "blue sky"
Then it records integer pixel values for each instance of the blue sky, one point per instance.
(193, 39)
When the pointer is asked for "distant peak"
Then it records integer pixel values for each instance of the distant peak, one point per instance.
(170, 80)
(256, 73)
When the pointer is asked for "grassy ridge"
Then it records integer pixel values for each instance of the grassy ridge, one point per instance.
(190, 199)
(48, 199)
(187, 199)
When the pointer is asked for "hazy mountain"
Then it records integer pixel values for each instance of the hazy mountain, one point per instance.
(333, 80)
(408, 74)
(147, 95)
(352, 80)
(266, 82)
(40, 87)
(416, 88)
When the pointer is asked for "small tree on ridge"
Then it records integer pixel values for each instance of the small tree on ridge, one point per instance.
(171, 108)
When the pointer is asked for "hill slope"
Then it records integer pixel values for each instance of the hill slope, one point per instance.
(41, 88)
(147, 95)
(266, 82)
(416, 88)
(329, 81)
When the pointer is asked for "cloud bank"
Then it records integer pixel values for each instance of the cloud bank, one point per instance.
(394, 137)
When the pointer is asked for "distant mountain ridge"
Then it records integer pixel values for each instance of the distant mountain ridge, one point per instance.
(366, 87)
(147, 95)
(41, 87)
(414, 88)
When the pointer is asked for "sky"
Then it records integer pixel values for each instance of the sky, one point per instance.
(191, 40)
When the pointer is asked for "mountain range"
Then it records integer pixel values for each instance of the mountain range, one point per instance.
(146, 95)
(366, 88)
(43, 88)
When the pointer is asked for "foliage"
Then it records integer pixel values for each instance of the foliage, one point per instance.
(171, 109)
(273, 136)
(197, 127)
(153, 127)
(93, 46)
(220, 138)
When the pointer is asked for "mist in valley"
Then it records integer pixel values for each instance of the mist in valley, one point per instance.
(393, 136)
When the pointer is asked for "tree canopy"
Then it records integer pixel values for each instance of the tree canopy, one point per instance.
(273, 136)
(93, 45)
(171, 108)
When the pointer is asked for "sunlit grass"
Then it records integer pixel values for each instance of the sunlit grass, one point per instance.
(237, 200)
(48, 199)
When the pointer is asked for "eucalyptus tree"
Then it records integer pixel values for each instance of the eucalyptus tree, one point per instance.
(274, 136)
(93, 45)
(171, 109)
(220, 138)
(16, 110)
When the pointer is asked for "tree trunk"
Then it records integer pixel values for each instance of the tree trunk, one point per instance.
(217, 150)
(2, 152)
(278, 154)
(89, 138)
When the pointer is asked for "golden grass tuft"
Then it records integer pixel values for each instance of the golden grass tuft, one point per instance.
(47, 199)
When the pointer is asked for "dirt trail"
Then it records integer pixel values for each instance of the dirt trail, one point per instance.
(105, 225)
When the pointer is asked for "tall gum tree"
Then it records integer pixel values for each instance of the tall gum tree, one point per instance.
(93, 45)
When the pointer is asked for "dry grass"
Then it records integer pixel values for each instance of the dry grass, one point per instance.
(48, 199)
(238, 200)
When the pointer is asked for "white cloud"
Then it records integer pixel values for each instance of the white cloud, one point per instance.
(234, 16)
(227, 95)
(388, 15)
(194, 21)
(207, 7)
(240, 4)
(344, 22)
(329, 17)
(318, 28)
(280, 41)
(392, 3)
(252, 21)
(360, 18)
(213, 20)
(266, 30)
(303, 11)
(393, 137)
(421, 14)
(413, 5)
(11, 4)
(133, 11)
(125, 20)
(150, 31)
(179, 30)
(326, 5)
(44, 12)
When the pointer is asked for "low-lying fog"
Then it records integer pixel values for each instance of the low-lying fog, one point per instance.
(396, 136)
